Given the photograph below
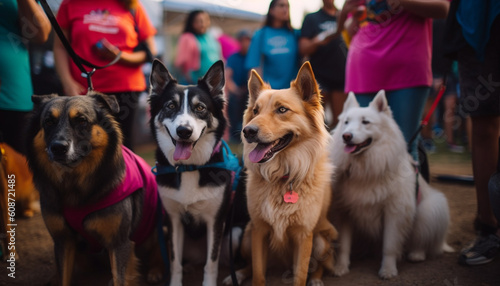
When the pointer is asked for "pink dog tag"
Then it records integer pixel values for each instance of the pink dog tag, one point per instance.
(291, 197)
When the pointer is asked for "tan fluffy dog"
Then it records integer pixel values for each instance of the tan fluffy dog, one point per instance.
(285, 152)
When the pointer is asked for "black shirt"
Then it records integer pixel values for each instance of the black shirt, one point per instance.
(328, 61)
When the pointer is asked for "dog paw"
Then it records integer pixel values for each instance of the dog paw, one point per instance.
(388, 272)
(154, 276)
(340, 270)
(416, 256)
(315, 282)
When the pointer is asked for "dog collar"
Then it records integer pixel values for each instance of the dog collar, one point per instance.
(230, 162)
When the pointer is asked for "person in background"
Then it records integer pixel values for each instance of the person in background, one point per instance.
(443, 68)
(197, 49)
(236, 84)
(21, 22)
(326, 54)
(392, 51)
(98, 31)
(274, 47)
(473, 38)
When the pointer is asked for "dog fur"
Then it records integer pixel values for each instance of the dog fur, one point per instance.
(14, 168)
(75, 153)
(285, 147)
(375, 189)
(188, 123)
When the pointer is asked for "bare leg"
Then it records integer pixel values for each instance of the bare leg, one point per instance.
(485, 133)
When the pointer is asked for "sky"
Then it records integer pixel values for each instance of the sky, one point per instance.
(298, 8)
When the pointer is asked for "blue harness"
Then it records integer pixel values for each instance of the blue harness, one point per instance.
(230, 163)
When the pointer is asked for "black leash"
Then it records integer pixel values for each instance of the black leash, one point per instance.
(79, 61)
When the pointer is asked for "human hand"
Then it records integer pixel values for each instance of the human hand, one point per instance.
(106, 50)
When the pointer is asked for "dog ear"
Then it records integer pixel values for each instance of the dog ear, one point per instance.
(255, 86)
(160, 77)
(380, 102)
(350, 102)
(40, 99)
(214, 79)
(107, 101)
(306, 84)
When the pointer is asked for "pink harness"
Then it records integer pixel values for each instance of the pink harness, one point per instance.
(137, 176)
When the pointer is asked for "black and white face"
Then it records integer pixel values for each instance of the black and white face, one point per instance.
(187, 116)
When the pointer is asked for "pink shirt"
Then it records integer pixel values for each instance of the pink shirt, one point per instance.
(137, 175)
(392, 55)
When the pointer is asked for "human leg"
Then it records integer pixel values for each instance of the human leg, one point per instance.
(337, 99)
(407, 106)
(128, 102)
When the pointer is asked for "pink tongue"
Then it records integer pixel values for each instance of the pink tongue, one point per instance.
(349, 148)
(258, 153)
(182, 151)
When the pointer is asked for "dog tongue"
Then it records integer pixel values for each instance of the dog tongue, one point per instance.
(349, 148)
(182, 151)
(259, 152)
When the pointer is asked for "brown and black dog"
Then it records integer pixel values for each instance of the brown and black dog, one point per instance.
(92, 189)
(288, 185)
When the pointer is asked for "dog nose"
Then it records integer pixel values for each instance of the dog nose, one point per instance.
(59, 148)
(250, 132)
(184, 132)
(347, 136)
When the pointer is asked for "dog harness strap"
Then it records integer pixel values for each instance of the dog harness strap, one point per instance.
(137, 176)
(230, 162)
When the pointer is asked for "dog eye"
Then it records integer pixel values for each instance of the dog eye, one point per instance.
(365, 122)
(49, 121)
(82, 121)
(346, 122)
(282, 109)
(200, 108)
(171, 105)
(255, 111)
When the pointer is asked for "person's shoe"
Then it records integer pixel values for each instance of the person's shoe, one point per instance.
(456, 148)
(480, 251)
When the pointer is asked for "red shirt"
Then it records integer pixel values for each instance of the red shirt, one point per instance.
(87, 22)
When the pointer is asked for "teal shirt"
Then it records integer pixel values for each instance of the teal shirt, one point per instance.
(15, 79)
(277, 52)
(210, 52)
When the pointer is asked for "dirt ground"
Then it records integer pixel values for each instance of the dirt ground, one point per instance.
(36, 265)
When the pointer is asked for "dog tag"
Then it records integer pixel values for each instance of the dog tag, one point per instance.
(291, 197)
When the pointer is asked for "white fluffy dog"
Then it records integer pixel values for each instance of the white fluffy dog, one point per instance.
(379, 192)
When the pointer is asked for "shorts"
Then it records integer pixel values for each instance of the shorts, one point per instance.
(480, 80)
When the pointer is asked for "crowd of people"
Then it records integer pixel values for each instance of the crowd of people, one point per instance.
(363, 47)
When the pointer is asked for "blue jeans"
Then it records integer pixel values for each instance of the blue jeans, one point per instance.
(407, 106)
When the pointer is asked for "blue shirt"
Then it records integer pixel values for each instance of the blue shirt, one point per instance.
(236, 62)
(277, 52)
(15, 78)
(476, 18)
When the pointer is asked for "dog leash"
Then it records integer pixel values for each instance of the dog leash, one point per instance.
(425, 121)
(79, 61)
(161, 239)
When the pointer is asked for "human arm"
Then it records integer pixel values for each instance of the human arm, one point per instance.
(422, 8)
(110, 52)
(70, 86)
(35, 25)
